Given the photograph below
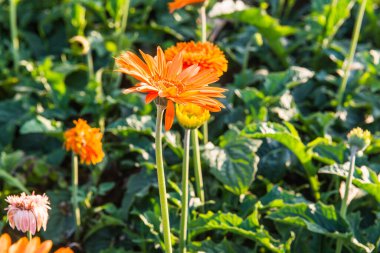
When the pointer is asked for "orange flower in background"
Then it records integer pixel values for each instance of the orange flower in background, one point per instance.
(168, 79)
(205, 54)
(25, 246)
(85, 141)
(178, 4)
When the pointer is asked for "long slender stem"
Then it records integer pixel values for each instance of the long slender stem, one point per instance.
(161, 180)
(29, 235)
(121, 31)
(74, 190)
(197, 166)
(14, 34)
(348, 61)
(185, 193)
(90, 66)
(343, 208)
(204, 39)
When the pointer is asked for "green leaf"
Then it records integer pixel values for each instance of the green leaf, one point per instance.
(234, 163)
(287, 136)
(364, 178)
(40, 125)
(9, 162)
(232, 223)
(101, 223)
(278, 197)
(268, 26)
(61, 221)
(225, 246)
(318, 218)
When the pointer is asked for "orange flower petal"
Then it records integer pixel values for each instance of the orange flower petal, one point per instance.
(172, 80)
(178, 4)
(150, 97)
(64, 250)
(169, 115)
(45, 247)
(19, 246)
(5, 243)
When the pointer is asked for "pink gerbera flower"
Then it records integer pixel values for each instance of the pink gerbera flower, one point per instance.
(28, 213)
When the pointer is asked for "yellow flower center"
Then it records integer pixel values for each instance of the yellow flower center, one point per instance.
(191, 116)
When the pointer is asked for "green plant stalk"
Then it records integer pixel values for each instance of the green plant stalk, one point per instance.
(74, 190)
(204, 39)
(197, 166)
(325, 40)
(90, 66)
(161, 180)
(29, 234)
(185, 193)
(14, 34)
(120, 31)
(343, 208)
(348, 61)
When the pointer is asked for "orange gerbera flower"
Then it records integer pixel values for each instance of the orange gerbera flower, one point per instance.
(85, 141)
(167, 79)
(178, 4)
(25, 246)
(205, 54)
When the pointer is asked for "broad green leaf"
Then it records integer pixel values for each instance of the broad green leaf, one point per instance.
(12, 181)
(61, 221)
(234, 163)
(318, 218)
(232, 223)
(225, 246)
(285, 136)
(138, 186)
(268, 26)
(40, 125)
(278, 197)
(101, 223)
(9, 162)
(364, 178)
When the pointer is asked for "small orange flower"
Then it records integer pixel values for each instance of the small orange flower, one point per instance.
(178, 4)
(167, 79)
(85, 141)
(25, 246)
(205, 54)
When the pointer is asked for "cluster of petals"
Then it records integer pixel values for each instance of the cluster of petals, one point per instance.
(191, 116)
(205, 54)
(178, 4)
(169, 80)
(28, 213)
(85, 141)
(23, 245)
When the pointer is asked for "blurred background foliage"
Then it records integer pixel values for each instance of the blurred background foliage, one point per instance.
(282, 124)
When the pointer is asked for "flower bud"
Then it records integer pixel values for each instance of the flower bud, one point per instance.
(191, 116)
(79, 45)
(359, 139)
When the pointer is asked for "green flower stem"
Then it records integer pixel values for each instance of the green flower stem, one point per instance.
(74, 190)
(29, 235)
(349, 59)
(90, 66)
(14, 34)
(197, 165)
(185, 193)
(161, 180)
(343, 208)
(121, 31)
(204, 39)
